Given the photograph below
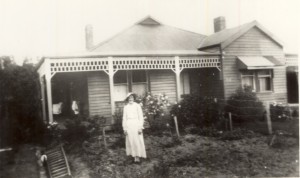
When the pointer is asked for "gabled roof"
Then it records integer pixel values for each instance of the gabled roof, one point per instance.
(149, 35)
(227, 36)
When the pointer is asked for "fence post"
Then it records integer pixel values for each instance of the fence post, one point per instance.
(104, 137)
(230, 121)
(269, 122)
(176, 125)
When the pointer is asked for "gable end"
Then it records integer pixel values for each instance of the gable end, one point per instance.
(255, 43)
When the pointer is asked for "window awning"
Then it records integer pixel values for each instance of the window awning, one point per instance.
(257, 62)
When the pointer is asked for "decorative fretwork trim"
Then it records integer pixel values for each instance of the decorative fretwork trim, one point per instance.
(65, 65)
(194, 62)
(143, 63)
(131, 63)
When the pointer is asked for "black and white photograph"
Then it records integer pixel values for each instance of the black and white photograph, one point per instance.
(149, 88)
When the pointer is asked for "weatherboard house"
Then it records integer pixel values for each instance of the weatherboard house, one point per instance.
(153, 57)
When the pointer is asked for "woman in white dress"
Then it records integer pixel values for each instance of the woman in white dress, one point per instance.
(133, 122)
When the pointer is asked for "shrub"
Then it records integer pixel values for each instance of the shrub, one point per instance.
(168, 142)
(118, 116)
(52, 133)
(195, 110)
(209, 132)
(279, 112)
(237, 134)
(245, 106)
(161, 170)
(75, 132)
(96, 123)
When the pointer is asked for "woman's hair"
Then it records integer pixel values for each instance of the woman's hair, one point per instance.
(134, 97)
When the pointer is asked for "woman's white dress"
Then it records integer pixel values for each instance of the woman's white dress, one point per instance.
(133, 121)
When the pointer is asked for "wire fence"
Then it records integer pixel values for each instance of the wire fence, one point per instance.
(267, 116)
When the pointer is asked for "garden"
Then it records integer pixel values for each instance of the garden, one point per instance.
(206, 145)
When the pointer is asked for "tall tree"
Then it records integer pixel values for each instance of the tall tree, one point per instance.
(20, 104)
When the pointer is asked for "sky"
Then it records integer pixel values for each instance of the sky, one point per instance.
(55, 27)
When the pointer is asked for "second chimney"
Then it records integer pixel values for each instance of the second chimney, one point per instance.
(89, 43)
(219, 24)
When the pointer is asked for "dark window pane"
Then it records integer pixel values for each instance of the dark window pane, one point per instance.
(264, 72)
(139, 76)
(120, 77)
(265, 84)
(268, 84)
(247, 72)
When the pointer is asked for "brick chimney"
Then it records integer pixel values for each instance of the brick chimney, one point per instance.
(89, 42)
(219, 24)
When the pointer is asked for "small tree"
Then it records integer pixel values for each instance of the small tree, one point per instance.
(245, 106)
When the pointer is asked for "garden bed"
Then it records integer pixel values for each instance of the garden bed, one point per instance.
(189, 156)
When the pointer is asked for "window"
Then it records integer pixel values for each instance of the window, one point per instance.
(129, 81)
(258, 80)
(139, 76)
(120, 77)
(185, 83)
(248, 79)
(264, 80)
(139, 82)
(120, 85)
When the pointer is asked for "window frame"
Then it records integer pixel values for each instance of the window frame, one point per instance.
(255, 77)
(269, 75)
(185, 89)
(129, 83)
(120, 82)
(248, 75)
(146, 76)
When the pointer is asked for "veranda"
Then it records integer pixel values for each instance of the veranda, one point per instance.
(110, 64)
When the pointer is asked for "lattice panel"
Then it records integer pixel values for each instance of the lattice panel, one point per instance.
(197, 62)
(143, 63)
(73, 65)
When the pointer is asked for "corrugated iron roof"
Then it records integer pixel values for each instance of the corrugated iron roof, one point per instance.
(227, 36)
(150, 35)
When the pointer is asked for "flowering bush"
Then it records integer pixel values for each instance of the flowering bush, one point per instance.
(154, 105)
(154, 108)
